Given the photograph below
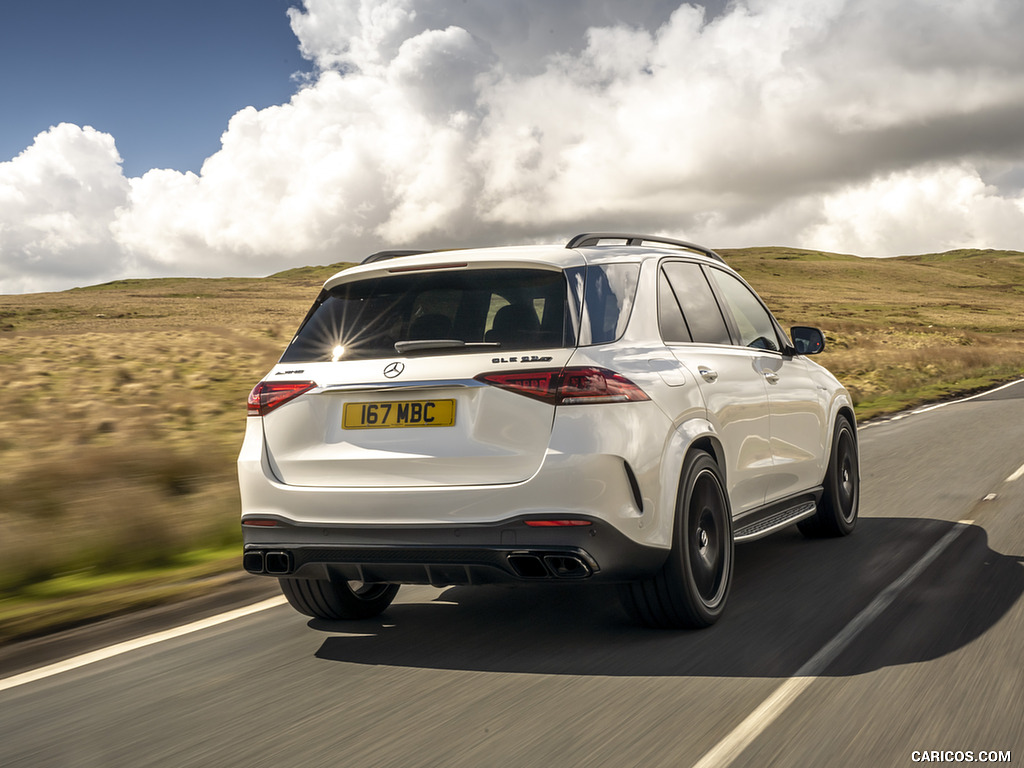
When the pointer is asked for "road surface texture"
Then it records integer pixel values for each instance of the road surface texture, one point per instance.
(905, 638)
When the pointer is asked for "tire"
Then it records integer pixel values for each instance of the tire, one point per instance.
(334, 600)
(691, 589)
(837, 512)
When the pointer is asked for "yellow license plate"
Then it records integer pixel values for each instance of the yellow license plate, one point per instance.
(406, 413)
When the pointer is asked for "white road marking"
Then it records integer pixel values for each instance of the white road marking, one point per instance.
(927, 408)
(1016, 475)
(729, 748)
(102, 654)
(965, 399)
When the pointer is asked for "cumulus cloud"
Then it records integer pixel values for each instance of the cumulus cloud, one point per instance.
(947, 204)
(57, 201)
(853, 125)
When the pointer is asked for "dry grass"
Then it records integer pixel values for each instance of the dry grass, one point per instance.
(124, 411)
(124, 403)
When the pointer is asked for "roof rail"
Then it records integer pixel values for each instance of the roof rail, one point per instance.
(593, 238)
(382, 255)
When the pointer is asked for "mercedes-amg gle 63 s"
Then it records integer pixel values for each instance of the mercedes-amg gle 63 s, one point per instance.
(621, 409)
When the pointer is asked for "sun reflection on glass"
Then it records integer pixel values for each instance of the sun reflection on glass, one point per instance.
(348, 327)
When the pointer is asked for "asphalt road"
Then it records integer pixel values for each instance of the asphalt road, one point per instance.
(557, 676)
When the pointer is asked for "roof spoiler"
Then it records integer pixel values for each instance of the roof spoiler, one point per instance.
(382, 255)
(594, 238)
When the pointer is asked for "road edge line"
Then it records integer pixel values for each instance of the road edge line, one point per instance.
(935, 406)
(101, 654)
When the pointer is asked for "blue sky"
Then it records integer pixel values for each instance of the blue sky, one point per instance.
(151, 138)
(162, 77)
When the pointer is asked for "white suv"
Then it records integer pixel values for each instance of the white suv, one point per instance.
(621, 409)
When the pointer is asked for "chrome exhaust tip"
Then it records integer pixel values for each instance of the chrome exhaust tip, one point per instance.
(278, 563)
(253, 562)
(528, 566)
(567, 566)
(537, 565)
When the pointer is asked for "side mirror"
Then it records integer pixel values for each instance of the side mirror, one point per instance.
(808, 341)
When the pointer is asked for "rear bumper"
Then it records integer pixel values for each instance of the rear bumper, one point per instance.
(510, 551)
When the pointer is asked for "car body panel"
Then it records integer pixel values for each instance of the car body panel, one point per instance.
(735, 395)
(497, 438)
(799, 426)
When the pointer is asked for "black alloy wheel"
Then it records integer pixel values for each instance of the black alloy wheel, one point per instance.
(840, 502)
(692, 587)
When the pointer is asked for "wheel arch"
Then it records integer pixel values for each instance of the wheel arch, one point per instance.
(847, 411)
(841, 406)
(693, 435)
(712, 446)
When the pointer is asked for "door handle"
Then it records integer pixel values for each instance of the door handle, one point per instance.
(707, 374)
(771, 376)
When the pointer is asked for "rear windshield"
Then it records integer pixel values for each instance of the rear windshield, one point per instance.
(506, 309)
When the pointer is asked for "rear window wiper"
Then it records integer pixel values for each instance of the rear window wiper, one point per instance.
(420, 344)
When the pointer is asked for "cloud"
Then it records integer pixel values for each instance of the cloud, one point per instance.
(854, 125)
(948, 204)
(57, 201)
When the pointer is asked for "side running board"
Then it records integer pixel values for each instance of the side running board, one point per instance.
(765, 525)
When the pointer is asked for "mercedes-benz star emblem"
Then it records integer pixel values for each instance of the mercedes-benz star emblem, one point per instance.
(394, 369)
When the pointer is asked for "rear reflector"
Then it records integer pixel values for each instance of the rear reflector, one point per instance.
(568, 386)
(261, 523)
(556, 523)
(268, 395)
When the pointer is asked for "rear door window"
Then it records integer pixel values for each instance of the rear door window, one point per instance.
(512, 309)
(670, 314)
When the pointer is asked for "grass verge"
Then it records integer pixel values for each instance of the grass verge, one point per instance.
(77, 598)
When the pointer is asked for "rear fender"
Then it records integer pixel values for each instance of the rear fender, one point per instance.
(693, 434)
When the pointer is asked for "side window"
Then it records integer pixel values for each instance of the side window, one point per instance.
(607, 302)
(700, 309)
(497, 302)
(753, 321)
(670, 316)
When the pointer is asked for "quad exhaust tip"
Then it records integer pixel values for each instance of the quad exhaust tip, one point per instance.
(273, 563)
(252, 561)
(567, 566)
(528, 565)
(278, 563)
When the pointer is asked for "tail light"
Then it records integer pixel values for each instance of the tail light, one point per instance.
(568, 386)
(268, 395)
